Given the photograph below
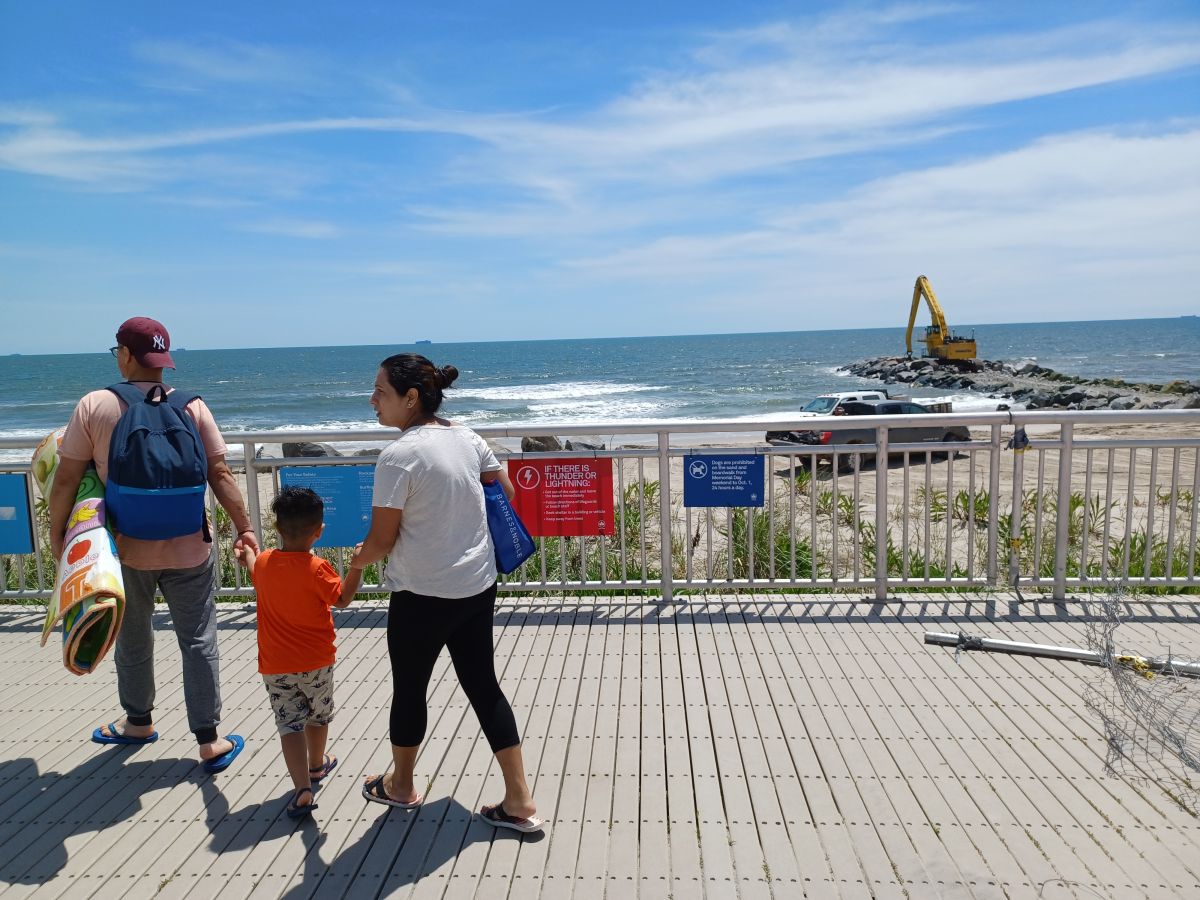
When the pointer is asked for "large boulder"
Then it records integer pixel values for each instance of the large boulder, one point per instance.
(540, 444)
(1125, 402)
(308, 448)
(585, 442)
(1189, 401)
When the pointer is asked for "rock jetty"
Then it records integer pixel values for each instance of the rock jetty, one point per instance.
(1033, 386)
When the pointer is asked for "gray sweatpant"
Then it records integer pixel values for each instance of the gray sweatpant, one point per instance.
(190, 598)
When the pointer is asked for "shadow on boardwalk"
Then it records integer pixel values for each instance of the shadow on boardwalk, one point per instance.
(780, 609)
(107, 790)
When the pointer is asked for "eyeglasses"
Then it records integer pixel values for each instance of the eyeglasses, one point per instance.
(115, 351)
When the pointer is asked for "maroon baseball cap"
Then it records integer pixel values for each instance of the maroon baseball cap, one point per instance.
(148, 341)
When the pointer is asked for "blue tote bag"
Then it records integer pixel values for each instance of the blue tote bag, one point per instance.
(509, 535)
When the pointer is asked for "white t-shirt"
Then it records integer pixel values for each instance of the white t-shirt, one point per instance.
(444, 548)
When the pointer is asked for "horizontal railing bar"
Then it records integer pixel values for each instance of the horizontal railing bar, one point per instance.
(718, 426)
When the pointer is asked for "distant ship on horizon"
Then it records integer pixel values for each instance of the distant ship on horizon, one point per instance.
(425, 342)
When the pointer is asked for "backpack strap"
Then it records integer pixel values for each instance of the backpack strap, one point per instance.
(179, 400)
(130, 393)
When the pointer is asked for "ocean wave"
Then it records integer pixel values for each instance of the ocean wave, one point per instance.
(334, 425)
(563, 390)
(23, 403)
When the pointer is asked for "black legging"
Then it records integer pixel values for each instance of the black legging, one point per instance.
(418, 628)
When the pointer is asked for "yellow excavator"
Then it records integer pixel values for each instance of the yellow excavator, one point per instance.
(940, 342)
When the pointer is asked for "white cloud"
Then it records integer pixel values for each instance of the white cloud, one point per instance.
(786, 95)
(297, 228)
(1064, 228)
(188, 63)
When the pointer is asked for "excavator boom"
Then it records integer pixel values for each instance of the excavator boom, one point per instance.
(939, 341)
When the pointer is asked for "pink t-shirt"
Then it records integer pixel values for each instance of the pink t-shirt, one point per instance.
(87, 437)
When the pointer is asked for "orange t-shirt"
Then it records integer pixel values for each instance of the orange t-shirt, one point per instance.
(295, 626)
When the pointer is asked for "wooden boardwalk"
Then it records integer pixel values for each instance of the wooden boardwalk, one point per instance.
(721, 748)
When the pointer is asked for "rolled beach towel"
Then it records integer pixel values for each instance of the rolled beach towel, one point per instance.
(89, 595)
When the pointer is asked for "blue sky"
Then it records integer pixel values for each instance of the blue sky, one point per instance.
(297, 174)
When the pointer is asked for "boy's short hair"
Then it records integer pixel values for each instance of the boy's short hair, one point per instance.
(298, 510)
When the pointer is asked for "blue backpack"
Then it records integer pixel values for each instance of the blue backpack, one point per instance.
(157, 467)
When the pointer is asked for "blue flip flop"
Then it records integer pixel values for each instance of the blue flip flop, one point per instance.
(221, 763)
(116, 736)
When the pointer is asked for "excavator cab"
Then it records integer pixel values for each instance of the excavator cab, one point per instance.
(940, 342)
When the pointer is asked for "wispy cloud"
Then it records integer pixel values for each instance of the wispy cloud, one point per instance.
(1013, 232)
(751, 102)
(297, 228)
(182, 64)
(749, 163)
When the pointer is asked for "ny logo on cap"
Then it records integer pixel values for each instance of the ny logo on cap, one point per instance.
(159, 343)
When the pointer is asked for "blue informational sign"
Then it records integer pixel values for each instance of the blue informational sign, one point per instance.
(16, 532)
(346, 491)
(723, 480)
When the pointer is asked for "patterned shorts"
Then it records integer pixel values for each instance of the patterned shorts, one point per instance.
(299, 698)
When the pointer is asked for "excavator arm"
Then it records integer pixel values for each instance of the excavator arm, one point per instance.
(923, 288)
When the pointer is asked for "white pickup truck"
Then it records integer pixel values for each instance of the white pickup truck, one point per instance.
(825, 404)
(831, 405)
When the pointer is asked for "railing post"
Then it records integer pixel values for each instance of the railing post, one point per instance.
(881, 506)
(1014, 522)
(1063, 513)
(252, 489)
(993, 565)
(664, 514)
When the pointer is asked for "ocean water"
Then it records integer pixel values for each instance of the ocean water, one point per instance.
(746, 376)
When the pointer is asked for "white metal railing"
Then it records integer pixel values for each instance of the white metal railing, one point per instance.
(962, 515)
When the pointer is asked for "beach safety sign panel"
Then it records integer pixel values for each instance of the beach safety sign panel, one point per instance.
(16, 536)
(710, 480)
(346, 491)
(564, 497)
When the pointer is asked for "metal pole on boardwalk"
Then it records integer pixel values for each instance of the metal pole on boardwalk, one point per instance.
(1167, 664)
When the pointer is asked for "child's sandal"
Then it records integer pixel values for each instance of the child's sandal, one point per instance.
(315, 775)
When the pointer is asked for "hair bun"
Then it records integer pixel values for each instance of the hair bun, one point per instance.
(447, 376)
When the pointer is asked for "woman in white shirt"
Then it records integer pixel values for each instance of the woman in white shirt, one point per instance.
(428, 519)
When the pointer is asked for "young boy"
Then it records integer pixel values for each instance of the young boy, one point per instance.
(295, 637)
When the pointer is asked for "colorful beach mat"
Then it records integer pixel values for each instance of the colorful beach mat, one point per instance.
(89, 595)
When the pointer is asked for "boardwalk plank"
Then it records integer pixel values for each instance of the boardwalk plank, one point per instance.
(712, 747)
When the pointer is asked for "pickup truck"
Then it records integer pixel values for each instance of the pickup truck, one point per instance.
(824, 405)
(865, 433)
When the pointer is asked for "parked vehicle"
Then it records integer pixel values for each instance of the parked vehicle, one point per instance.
(865, 433)
(824, 405)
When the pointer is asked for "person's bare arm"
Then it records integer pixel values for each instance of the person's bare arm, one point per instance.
(246, 555)
(62, 499)
(385, 528)
(501, 476)
(350, 585)
(229, 495)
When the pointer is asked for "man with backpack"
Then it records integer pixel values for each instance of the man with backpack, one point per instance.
(156, 450)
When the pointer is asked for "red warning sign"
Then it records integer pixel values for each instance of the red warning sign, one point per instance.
(564, 497)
